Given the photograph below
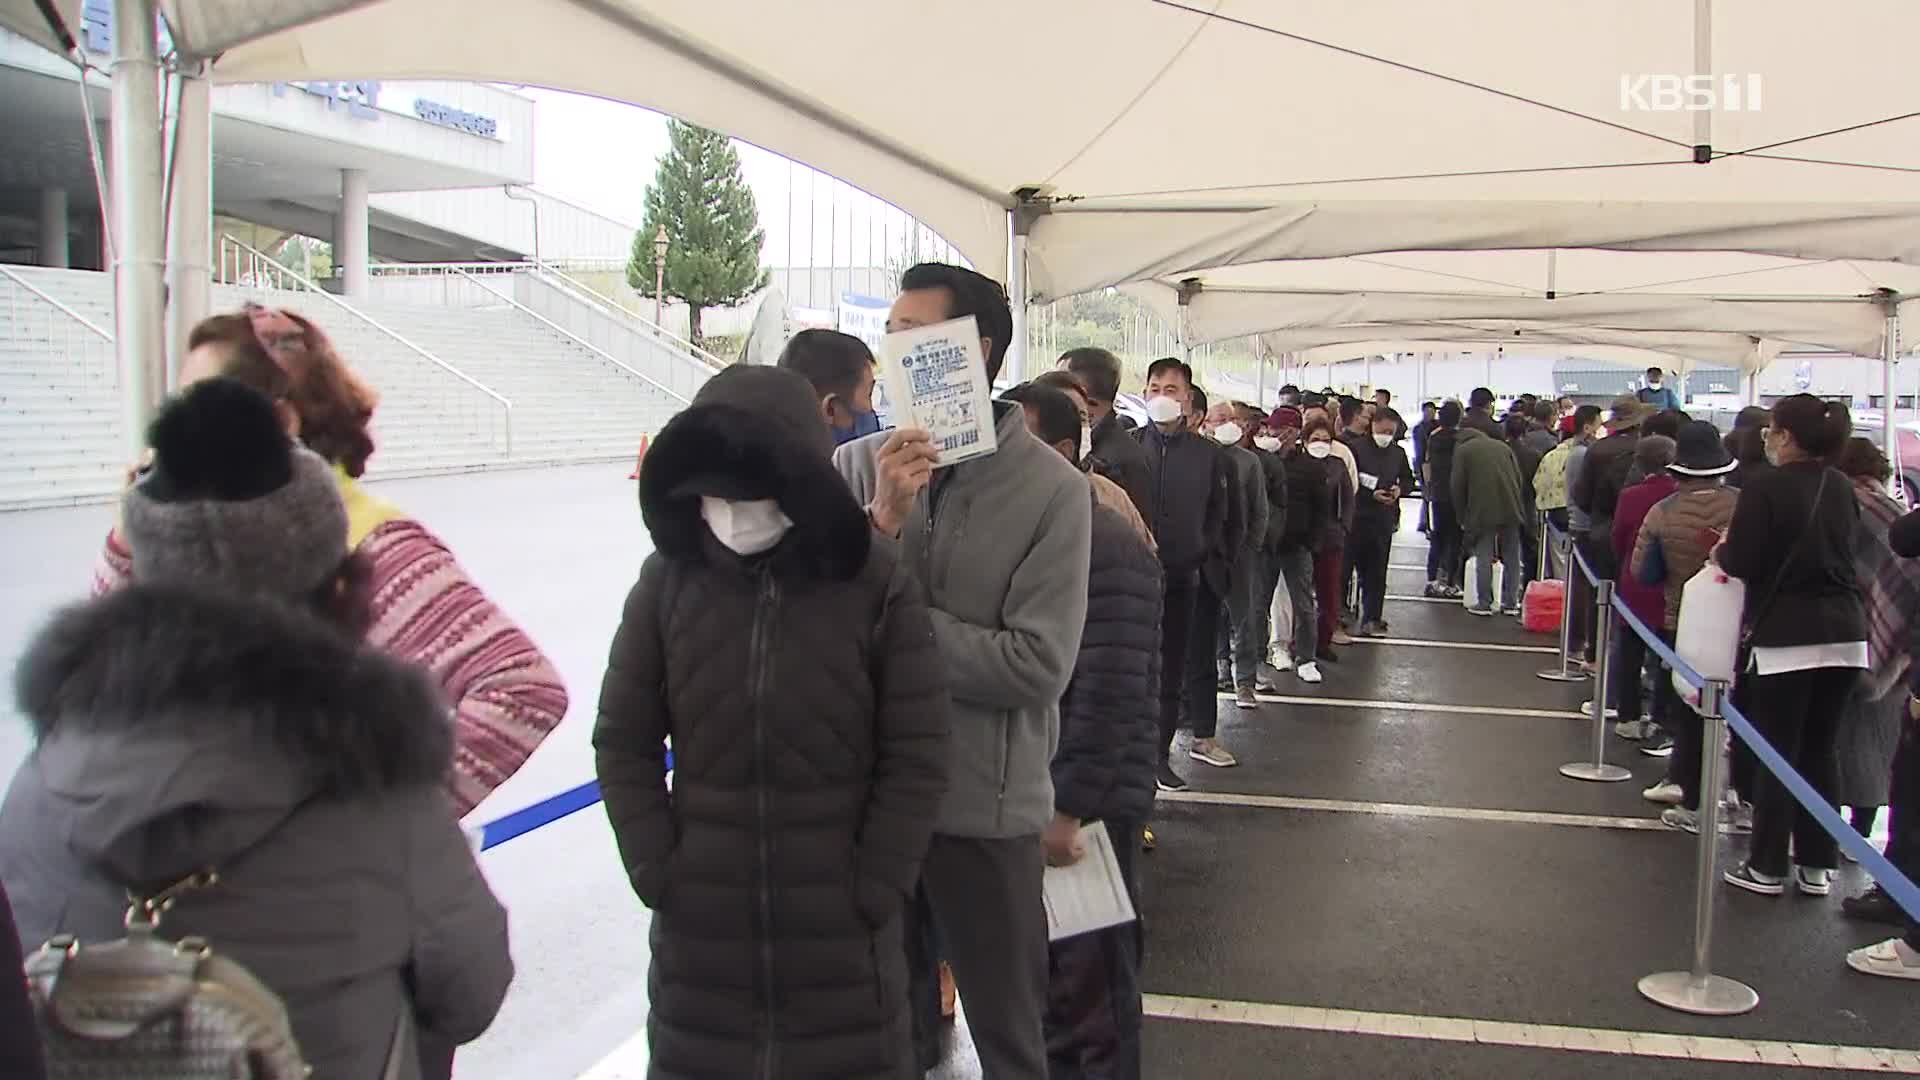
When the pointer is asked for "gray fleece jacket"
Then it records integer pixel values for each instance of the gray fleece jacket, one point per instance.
(1001, 544)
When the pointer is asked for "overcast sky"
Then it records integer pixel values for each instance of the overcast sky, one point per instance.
(602, 154)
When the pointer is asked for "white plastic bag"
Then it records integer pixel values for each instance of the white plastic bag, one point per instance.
(1708, 634)
(1470, 585)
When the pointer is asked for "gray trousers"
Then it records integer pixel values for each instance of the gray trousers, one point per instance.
(1241, 641)
(1296, 569)
(993, 929)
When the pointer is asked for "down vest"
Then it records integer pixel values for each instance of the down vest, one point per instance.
(802, 693)
(1677, 535)
(179, 729)
(1109, 718)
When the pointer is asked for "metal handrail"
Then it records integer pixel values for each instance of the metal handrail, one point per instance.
(377, 325)
(576, 339)
(587, 294)
(62, 308)
(556, 275)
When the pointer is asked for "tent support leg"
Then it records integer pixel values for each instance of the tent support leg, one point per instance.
(190, 218)
(1890, 363)
(136, 190)
(1016, 365)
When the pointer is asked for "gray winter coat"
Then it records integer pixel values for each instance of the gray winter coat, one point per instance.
(1001, 544)
(181, 730)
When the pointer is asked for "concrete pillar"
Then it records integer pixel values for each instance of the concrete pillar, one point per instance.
(350, 235)
(55, 249)
(190, 220)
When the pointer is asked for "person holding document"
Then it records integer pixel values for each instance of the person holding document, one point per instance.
(1001, 541)
(1102, 772)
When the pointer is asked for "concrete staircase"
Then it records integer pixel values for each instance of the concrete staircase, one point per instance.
(441, 374)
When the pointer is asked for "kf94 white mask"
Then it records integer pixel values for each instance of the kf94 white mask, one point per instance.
(1227, 434)
(1268, 443)
(746, 528)
(1319, 449)
(1164, 410)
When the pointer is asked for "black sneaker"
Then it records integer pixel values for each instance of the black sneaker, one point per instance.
(1168, 780)
(1874, 905)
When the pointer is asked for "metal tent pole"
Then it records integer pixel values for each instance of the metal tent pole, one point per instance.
(190, 218)
(1698, 990)
(137, 192)
(1016, 365)
(1890, 365)
(1599, 769)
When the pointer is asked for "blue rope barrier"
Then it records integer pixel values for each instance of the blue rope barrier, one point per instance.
(1884, 872)
(1586, 568)
(1903, 891)
(1658, 644)
(543, 813)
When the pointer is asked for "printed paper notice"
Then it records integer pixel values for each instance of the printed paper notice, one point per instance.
(1089, 895)
(936, 379)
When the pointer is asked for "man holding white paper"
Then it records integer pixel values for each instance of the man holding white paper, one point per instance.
(1001, 541)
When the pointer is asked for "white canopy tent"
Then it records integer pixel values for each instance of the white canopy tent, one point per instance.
(1127, 140)
(1830, 304)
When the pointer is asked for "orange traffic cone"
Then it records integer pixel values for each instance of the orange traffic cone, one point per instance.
(639, 458)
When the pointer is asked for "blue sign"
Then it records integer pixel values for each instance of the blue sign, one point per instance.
(458, 119)
(362, 98)
(96, 28)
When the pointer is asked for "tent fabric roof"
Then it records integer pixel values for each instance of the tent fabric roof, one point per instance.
(1172, 137)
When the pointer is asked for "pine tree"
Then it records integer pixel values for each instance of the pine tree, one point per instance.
(713, 226)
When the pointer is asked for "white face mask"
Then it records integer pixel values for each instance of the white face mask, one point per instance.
(1164, 409)
(1268, 443)
(746, 528)
(1382, 441)
(1086, 443)
(1653, 384)
(1227, 434)
(1319, 449)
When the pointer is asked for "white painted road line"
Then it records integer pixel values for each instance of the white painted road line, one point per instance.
(1414, 810)
(1416, 706)
(1645, 1044)
(1426, 600)
(629, 1062)
(1481, 645)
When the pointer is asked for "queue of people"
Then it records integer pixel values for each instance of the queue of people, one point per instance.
(894, 690)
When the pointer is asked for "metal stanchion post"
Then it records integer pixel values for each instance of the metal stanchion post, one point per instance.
(1598, 769)
(1699, 991)
(1564, 671)
(1544, 558)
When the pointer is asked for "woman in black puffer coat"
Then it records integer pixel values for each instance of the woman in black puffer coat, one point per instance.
(789, 656)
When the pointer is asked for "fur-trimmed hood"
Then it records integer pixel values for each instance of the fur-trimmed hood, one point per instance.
(180, 724)
(754, 433)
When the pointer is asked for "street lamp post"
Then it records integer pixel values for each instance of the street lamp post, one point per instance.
(659, 273)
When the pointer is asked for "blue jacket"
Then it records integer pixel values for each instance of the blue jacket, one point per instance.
(1665, 398)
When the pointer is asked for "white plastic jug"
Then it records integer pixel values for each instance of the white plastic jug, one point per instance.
(1708, 635)
(1470, 584)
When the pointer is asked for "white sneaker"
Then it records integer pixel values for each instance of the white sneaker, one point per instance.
(1890, 959)
(1308, 673)
(1586, 709)
(1282, 663)
(1665, 792)
(1212, 753)
(1813, 881)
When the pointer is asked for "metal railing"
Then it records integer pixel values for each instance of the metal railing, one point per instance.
(592, 297)
(559, 275)
(44, 324)
(251, 268)
(575, 338)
